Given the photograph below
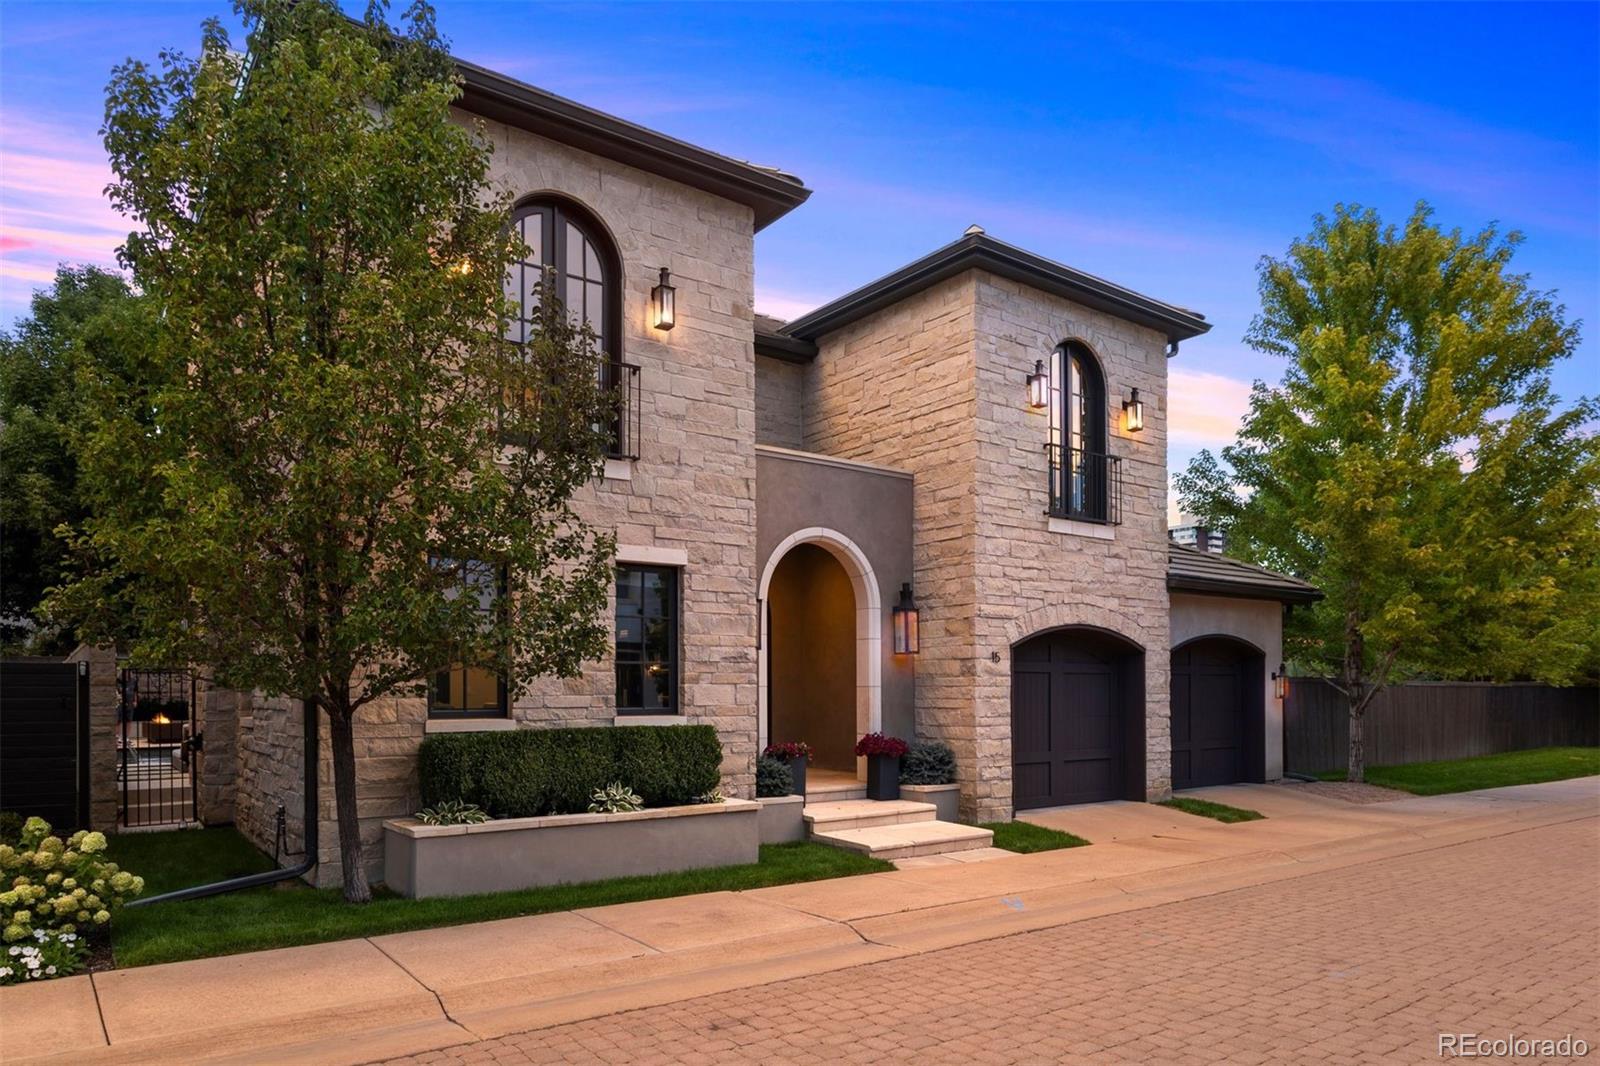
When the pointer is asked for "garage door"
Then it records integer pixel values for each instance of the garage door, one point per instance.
(1208, 714)
(1067, 704)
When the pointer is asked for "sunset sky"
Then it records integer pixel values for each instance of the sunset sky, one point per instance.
(1164, 147)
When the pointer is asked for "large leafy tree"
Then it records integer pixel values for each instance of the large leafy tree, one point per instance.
(334, 450)
(87, 314)
(1414, 462)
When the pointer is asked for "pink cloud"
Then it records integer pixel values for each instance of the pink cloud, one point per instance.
(1204, 409)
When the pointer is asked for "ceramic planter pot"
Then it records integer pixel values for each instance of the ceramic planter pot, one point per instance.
(883, 777)
(797, 769)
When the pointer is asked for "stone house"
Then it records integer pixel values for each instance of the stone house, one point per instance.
(976, 442)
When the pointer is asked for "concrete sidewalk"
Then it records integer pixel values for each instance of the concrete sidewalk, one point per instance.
(360, 1000)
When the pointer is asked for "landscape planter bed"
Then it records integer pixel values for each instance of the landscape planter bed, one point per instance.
(781, 819)
(421, 861)
(947, 798)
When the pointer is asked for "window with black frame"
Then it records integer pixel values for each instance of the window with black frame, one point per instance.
(647, 639)
(569, 255)
(1080, 469)
(470, 691)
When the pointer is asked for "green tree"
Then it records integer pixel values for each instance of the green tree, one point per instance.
(335, 450)
(1414, 463)
(87, 313)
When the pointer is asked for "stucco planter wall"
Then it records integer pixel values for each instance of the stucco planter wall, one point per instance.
(781, 821)
(947, 798)
(511, 853)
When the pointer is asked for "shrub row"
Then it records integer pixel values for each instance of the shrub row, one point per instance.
(524, 773)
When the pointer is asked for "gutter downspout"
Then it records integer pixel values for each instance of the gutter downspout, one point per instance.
(269, 877)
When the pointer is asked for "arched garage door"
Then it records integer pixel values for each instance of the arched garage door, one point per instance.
(1077, 719)
(1217, 713)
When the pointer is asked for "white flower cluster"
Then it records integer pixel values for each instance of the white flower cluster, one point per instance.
(51, 954)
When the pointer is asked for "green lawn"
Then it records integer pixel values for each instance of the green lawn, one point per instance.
(1206, 809)
(293, 913)
(1486, 771)
(1025, 837)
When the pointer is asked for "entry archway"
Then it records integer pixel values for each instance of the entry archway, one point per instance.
(862, 624)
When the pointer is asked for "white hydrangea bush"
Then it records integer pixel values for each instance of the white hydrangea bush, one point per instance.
(61, 885)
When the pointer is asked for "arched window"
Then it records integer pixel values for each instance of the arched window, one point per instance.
(570, 252)
(1081, 473)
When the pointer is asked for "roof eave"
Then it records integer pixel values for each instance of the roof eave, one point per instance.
(492, 95)
(982, 252)
(788, 349)
(1242, 591)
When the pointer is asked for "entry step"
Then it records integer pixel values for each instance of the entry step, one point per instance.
(907, 839)
(835, 791)
(864, 814)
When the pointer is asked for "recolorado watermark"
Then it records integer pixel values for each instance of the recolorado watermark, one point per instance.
(1478, 1046)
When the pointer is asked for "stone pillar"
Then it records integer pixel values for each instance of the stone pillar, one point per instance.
(105, 789)
(218, 762)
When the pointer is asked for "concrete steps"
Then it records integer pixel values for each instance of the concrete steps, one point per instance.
(907, 840)
(890, 829)
(830, 792)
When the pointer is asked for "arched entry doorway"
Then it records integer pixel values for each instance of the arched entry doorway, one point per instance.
(1218, 713)
(820, 667)
(1077, 718)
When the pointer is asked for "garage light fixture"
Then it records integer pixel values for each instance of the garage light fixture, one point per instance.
(1038, 386)
(1280, 684)
(1134, 410)
(663, 302)
(906, 638)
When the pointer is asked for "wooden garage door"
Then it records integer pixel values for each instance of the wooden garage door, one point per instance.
(1066, 722)
(1208, 715)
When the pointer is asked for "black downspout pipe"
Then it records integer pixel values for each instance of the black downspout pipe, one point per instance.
(270, 877)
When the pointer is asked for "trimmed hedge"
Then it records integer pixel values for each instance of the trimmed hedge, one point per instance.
(524, 773)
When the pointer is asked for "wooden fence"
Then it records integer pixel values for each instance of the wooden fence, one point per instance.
(1423, 721)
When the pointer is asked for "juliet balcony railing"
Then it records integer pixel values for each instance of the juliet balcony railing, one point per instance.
(1085, 486)
(624, 378)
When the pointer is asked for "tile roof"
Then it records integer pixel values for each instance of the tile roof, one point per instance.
(1192, 570)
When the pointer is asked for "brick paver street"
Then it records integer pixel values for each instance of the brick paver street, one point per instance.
(1365, 964)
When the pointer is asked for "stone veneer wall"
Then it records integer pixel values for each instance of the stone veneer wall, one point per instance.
(692, 491)
(1031, 579)
(780, 402)
(899, 388)
(105, 791)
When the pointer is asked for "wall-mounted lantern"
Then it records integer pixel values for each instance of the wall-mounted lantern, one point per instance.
(1038, 386)
(905, 623)
(662, 302)
(1280, 684)
(1134, 410)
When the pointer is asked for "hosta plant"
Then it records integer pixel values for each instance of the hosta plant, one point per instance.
(48, 953)
(615, 798)
(714, 796)
(59, 884)
(452, 812)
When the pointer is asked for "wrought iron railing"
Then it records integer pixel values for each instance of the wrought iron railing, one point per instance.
(1085, 486)
(624, 378)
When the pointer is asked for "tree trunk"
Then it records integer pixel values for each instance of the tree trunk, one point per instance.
(1357, 770)
(1355, 689)
(341, 730)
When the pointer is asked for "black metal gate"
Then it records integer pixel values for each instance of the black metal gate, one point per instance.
(44, 741)
(158, 746)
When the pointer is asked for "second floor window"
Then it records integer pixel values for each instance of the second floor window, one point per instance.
(1083, 477)
(470, 691)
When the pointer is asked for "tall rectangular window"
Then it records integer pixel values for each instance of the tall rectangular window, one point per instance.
(471, 691)
(647, 639)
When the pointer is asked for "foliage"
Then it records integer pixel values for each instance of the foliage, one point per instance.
(879, 744)
(290, 914)
(87, 315)
(788, 749)
(1026, 838)
(452, 812)
(522, 773)
(334, 450)
(615, 798)
(773, 778)
(1207, 809)
(928, 762)
(59, 885)
(1529, 767)
(714, 796)
(10, 827)
(1414, 463)
(53, 953)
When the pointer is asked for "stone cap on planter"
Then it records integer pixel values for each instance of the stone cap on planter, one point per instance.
(412, 828)
(771, 801)
(930, 788)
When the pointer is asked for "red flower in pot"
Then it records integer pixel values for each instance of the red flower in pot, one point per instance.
(883, 755)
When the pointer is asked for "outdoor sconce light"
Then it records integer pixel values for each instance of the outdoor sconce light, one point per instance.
(1038, 386)
(1280, 684)
(905, 623)
(1134, 409)
(662, 301)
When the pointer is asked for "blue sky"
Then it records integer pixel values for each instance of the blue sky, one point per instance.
(1165, 147)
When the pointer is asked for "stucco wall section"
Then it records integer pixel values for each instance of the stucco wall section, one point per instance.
(780, 402)
(1256, 622)
(1030, 579)
(898, 388)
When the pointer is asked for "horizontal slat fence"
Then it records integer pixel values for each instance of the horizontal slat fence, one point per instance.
(1423, 721)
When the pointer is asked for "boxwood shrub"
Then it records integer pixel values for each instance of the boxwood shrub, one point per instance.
(524, 773)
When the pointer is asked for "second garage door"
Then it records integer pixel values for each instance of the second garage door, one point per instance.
(1210, 700)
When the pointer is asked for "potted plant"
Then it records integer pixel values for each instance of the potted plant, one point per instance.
(796, 754)
(883, 764)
